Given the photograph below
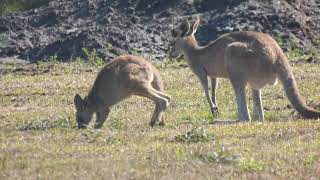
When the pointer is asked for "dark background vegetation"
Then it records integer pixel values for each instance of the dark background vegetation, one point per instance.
(8, 6)
(70, 29)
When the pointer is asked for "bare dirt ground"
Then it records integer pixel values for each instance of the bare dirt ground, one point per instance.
(64, 30)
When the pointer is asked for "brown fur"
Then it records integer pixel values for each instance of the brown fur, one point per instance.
(123, 77)
(252, 58)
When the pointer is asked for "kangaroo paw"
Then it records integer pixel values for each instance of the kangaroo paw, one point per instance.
(215, 111)
(161, 123)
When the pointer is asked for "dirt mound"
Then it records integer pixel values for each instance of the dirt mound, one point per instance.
(63, 28)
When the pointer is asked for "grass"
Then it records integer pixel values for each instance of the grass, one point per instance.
(39, 138)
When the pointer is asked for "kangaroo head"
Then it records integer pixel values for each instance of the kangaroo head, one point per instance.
(83, 114)
(184, 35)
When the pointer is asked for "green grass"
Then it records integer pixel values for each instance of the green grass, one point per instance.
(295, 53)
(39, 138)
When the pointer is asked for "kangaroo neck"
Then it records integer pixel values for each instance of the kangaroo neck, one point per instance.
(190, 50)
(94, 102)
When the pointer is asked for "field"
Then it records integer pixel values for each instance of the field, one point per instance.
(39, 138)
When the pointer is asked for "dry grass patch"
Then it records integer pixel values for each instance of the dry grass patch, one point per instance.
(39, 139)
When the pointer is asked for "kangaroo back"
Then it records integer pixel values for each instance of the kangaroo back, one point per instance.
(289, 83)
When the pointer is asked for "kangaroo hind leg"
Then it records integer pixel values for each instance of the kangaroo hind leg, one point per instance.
(243, 112)
(238, 68)
(257, 105)
(146, 90)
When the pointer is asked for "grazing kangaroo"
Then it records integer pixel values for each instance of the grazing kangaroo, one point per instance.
(252, 58)
(122, 77)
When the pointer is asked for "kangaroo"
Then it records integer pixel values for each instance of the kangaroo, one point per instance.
(122, 77)
(245, 57)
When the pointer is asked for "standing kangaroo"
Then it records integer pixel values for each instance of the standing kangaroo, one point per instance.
(122, 77)
(252, 58)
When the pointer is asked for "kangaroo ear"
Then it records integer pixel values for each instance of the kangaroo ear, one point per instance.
(78, 102)
(185, 27)
(195, 26)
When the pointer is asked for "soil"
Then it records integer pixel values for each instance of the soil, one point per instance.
(63, 28)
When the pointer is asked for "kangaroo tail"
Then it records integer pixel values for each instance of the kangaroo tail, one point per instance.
(285, 75)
